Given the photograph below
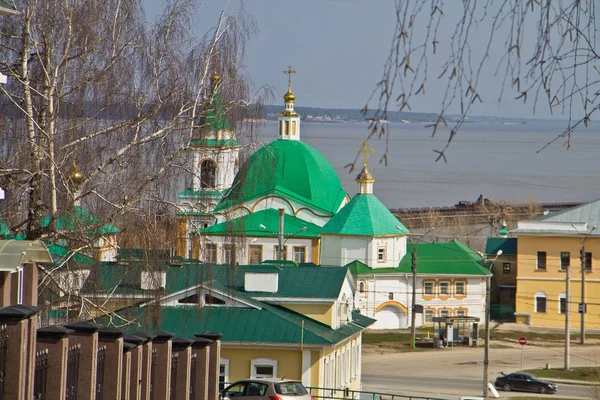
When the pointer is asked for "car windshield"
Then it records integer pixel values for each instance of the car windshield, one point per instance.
(290, 388)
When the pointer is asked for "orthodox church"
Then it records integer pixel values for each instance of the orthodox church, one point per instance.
(286, 206)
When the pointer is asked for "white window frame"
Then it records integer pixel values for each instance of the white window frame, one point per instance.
(262, 362)
(445, 313)
(464, 288)
(224, 362)
(463, 313)
(425, 284)
(381, 254)
(447, 284)
(428, 312)
(561, 296)
(535, 302)
(300, 251)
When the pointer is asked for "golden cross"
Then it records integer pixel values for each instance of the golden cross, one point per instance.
(365, 149)
(289, 71)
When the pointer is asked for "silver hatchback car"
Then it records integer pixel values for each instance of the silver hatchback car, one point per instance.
(266, 389)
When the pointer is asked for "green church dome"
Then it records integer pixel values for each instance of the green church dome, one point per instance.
(290, 169)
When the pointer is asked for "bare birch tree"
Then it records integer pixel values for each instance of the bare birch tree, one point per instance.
(544, 53)
(100, 108)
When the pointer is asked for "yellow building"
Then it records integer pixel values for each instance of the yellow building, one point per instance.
(550, 268)
(276, 320)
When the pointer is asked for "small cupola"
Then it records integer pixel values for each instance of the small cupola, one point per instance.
(289, 120)
(504, 231)
(365, 179)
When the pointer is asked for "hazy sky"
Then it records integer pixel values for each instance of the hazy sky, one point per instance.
(338, 48)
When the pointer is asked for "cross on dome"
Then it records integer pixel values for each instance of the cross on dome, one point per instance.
(365, 149)
(289, 71)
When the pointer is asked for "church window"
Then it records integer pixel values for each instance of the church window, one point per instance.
(210, 253)
(280, 128)
(299, 254)
(229, 254)
(361, 286)
(287, 128)
(208, 173)
(276, 251)
(381, 254)
(255, 253)
(293, 128)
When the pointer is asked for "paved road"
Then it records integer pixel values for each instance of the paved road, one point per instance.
(451, 373)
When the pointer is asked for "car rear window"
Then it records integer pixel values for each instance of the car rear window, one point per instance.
(290, 388)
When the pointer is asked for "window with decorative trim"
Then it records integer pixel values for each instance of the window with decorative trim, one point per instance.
(444, 313)
(299, 254)
(276, 251)
(382, 254)
(540, 302)
(460, 288)
(428, 316)
(444, 288)
(562, 303)
(229, 254)
(362, 287)
(210, 253)
(461, 313)
(428, 288)
(255, 253)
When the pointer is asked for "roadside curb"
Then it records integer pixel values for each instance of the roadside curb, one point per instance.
(571, 382)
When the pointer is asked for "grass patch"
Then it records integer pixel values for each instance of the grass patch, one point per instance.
(577, 374)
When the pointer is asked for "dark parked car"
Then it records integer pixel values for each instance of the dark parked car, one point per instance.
(524, 382)
(266, 389)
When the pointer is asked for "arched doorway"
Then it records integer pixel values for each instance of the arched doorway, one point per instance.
(391, 315)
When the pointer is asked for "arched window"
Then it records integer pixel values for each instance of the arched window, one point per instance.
(208, 170)
(361, 286)
(540, 302)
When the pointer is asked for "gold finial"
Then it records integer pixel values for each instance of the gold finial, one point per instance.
(75, 175)
(214, 78)
(289, 71)
(365, 149)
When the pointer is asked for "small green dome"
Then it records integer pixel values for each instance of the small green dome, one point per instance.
(290, 169)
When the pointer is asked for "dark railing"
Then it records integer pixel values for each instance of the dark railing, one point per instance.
(41, 372)
(174, 362)
(193, 378)
(153, 372)
(73, 371)
(347, 394)
(3, 351)
(100, 373)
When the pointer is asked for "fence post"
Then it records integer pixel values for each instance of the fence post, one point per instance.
(182, 347)
(214, 363)
(199, 384)
(162, 347)
(112, 338)
(16, 351)
(137, 361)
(55, 340)
(126, 381)
(86, 333)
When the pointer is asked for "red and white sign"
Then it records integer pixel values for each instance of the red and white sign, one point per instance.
(522, 340)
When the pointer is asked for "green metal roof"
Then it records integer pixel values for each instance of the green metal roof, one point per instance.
(7, 7)
(77, 218)
(61, 253)
(364, 215)
(507, 245)
(432, 258)
(290, 169)
(249, 225)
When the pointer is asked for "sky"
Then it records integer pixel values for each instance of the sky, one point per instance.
(338, 49)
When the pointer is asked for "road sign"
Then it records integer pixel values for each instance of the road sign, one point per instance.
(522, 340)
(582, 308)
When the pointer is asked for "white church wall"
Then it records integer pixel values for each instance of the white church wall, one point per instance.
(388, 298)
(393, 249)
(331, 249)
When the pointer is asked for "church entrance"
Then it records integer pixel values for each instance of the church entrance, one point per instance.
(390, 317)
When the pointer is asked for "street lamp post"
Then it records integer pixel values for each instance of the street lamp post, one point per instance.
(281, 240)
(486, 349)
(582, 255)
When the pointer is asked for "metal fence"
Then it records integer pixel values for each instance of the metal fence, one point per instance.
(347, 394)
(41, 373)
(101, 361)
(73, 371)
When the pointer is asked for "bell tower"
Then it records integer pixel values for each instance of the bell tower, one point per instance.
(289, 120)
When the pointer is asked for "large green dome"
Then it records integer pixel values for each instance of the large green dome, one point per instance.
(290, 169)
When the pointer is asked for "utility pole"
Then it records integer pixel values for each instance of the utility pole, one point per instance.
(582, 304)
(488, 302)
(567, 326)
(413, 331)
